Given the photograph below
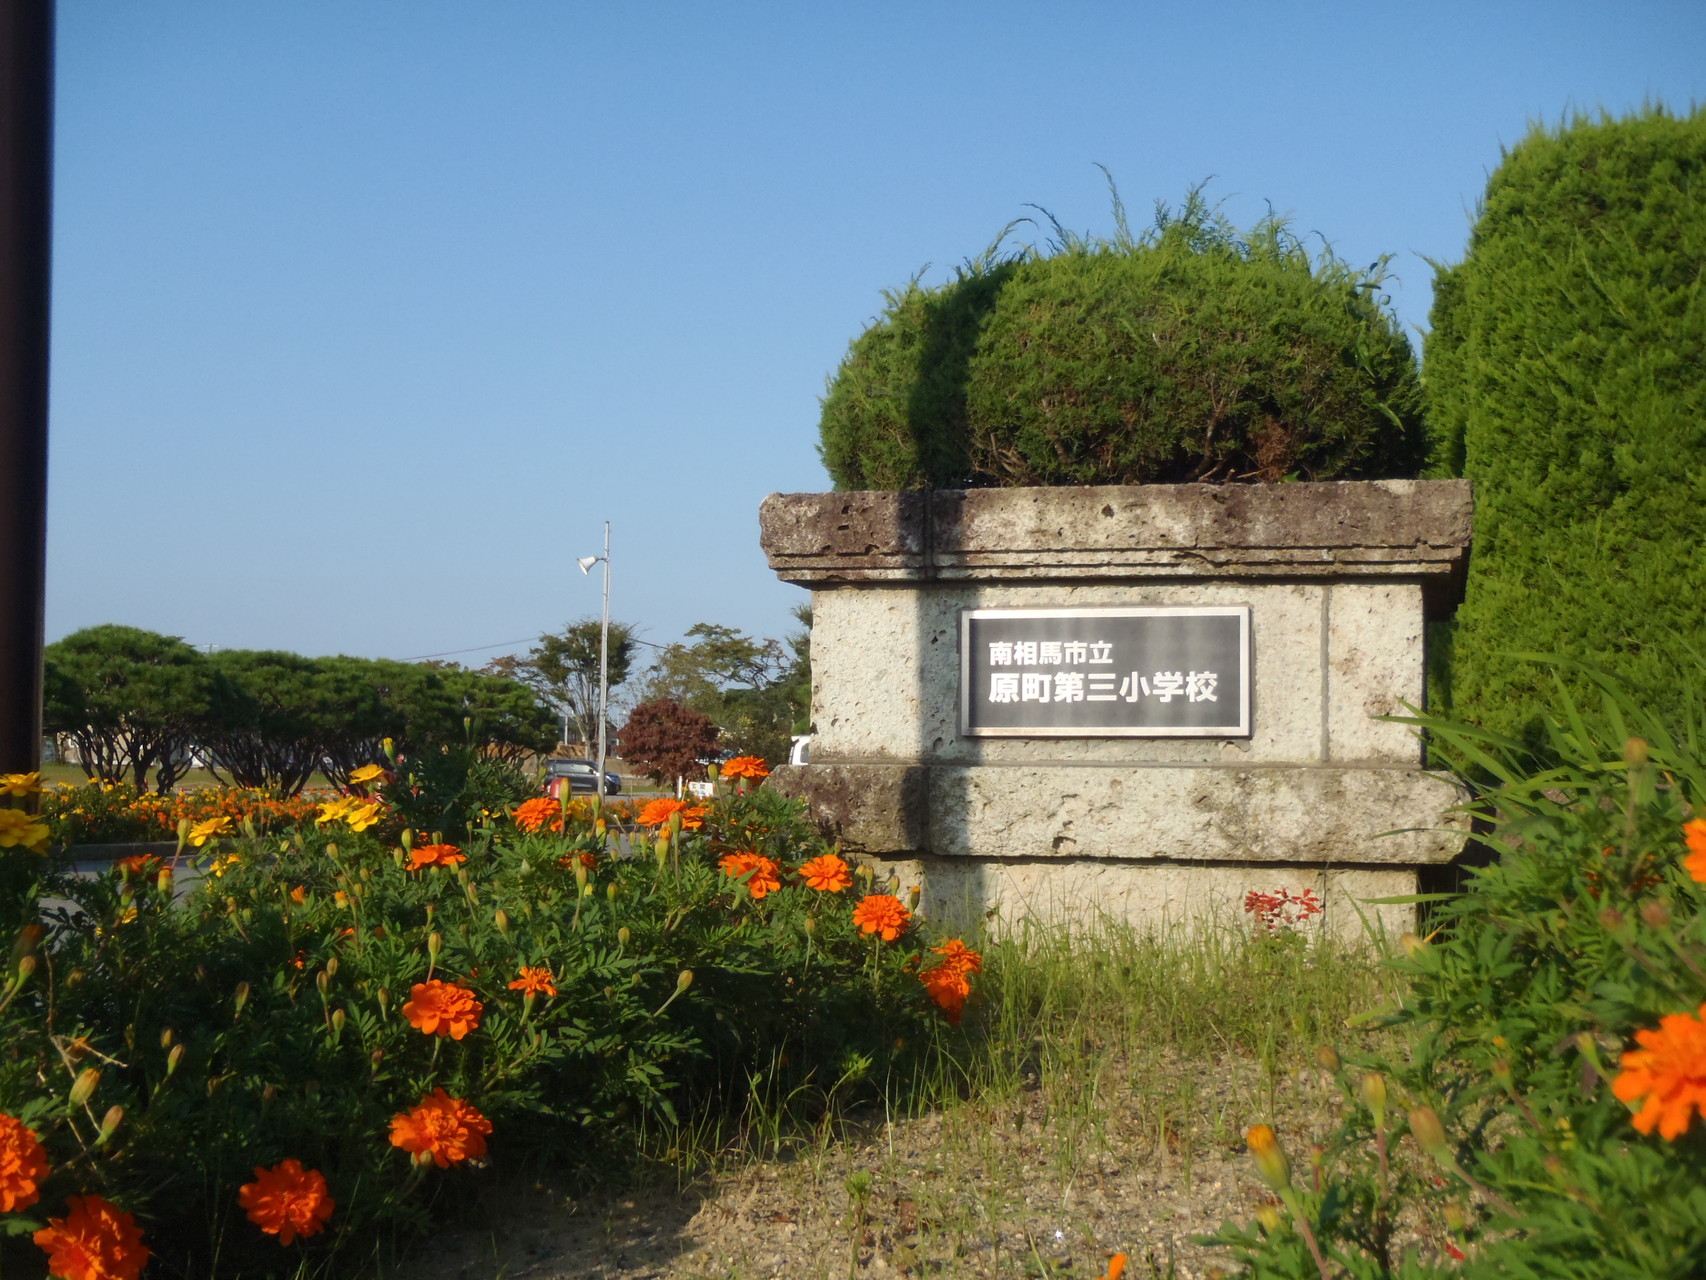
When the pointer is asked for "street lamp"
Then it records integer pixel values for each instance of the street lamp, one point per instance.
(586, 563)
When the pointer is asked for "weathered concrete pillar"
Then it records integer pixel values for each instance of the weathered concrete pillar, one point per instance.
(1101, 812)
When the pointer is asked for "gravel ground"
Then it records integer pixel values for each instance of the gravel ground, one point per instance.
(987, 1189)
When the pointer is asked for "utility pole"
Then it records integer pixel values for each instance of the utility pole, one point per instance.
(26, 223)
(586, 563)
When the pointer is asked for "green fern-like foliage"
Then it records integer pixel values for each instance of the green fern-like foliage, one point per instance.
(1189, 353)
(1564, 372)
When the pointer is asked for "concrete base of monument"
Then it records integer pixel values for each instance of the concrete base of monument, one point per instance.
(1083, 896)
(1151, 845)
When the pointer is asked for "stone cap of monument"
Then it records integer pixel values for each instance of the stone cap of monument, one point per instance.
(1323, 529)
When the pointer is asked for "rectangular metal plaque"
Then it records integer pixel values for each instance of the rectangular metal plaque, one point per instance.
(1136, 671)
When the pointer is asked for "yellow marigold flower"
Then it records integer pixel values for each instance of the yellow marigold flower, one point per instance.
(1695, 833)
(882, 913)
(1667, 1074)
(21, 830)
(367, 773)
(19, 784)
(202, 832)
(332, 810)
(363, 816)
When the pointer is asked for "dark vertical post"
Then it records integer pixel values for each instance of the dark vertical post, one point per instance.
(26, 218)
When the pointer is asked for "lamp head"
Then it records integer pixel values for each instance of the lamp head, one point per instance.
(586, 562)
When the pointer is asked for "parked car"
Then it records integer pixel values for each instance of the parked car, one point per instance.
(580, 775)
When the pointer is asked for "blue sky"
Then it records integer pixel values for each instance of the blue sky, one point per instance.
(368, 313)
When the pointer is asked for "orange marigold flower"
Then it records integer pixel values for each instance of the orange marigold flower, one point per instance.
(23, 1164)
(766, 875)
(1695, 833)
(442, 1009)
(587, 859)
(539, 813)
(435, 855)
(1667, 1074)
(954, 952)
(752, 767)
(299, 895)
(446, 1128)
(137, 864)
(535, 980)
(826, 873)
(659, 811)
(882, 913)
(287, 1200)
(948, 987)
(95, 1240)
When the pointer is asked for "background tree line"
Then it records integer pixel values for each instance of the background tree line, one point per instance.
(137, 703)
(140, 706)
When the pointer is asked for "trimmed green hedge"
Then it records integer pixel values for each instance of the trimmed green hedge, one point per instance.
(1191, 353)
(1566, 372)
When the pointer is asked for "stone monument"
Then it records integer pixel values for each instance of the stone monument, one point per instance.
(1141, 703)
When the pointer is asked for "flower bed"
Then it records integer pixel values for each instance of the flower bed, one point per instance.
(335, 1027)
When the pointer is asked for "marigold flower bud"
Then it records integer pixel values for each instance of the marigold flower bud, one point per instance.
(174, 1059)
(1327, 1058)
(399, 857)
(1656, 915)
(184, 825)
(500, 918)
(684, 979)
(612, 891)
(166, 1038)
(431, 911)
(337, 1020)
(1411, 945)
(26, 967)
(1635, 753)
(1270, 1158)
(376, 1057)
(1429, 1132)
(586, 891)
(1372, 1091)
(383, 995)
(407, 838)
(810, 925)
(580, 873)
(322, 980)
(111, 1121)
(624, 935)
(913, 895)
(163, 881)
(435, 943)
(1270, 1218)
(241, 995)
(83, 1088)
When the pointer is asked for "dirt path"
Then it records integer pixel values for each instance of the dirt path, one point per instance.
(1045, 1183)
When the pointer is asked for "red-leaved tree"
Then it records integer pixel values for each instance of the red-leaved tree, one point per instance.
(663, 739)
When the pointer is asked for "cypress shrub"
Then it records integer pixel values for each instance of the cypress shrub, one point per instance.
(1190, 353)
(1564, 372)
